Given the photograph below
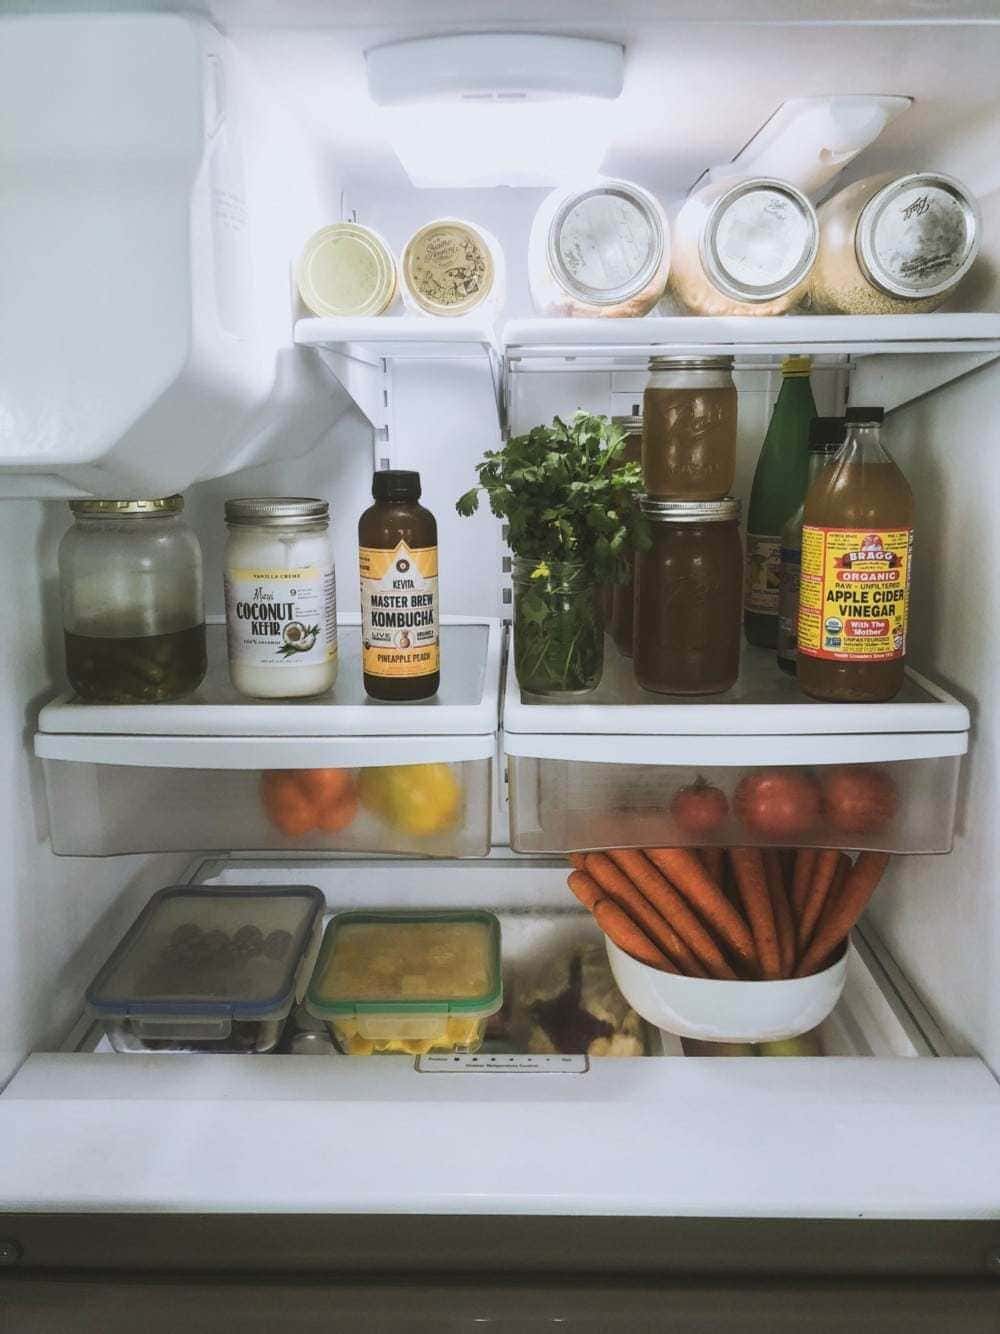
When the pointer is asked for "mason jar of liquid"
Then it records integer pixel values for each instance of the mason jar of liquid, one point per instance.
(689, 428)
(132, 601)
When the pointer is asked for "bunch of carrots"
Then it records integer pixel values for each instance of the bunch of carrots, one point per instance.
(733, 913)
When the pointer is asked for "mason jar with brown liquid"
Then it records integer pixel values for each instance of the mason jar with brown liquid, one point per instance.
(689, 428)
(857, 543)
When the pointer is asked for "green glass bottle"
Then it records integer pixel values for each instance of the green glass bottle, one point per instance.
(779, 484)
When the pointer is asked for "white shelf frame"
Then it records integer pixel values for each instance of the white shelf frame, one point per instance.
(360, 352)
(282, 735)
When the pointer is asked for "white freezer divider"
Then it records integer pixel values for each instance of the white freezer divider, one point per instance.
(837, 1138)
(703, 751)
(253, 753)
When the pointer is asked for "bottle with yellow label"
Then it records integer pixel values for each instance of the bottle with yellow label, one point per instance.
(857, 543)
(397, 540)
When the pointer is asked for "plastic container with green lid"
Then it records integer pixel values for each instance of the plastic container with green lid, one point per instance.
(408, 982)
(208, 969)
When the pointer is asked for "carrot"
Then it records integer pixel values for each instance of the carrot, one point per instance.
(815, 900)
(627, 936)
(584, 888)
(683, 869)
(752, 884)
(805, 864)
(714, 861)
(702, 953)
(775, 870)
(620, 889)
(841, 913)
(576, 860)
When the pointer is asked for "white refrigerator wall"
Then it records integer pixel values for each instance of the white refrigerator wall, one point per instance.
(941, 915)
(59, 916)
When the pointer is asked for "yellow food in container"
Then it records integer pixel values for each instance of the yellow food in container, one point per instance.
(408, 983)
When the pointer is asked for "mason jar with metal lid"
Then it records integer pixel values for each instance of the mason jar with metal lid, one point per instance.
(281, 597)
(689, 595)
(132, 601)
(743, 249)
(346, 269)
(892, 245)
(602, 251)
(689, 428)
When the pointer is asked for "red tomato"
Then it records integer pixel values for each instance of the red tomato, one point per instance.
(699, 809)
(778, 803)
(859, 798)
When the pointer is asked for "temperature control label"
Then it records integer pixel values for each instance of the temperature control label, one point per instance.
(442, 1063)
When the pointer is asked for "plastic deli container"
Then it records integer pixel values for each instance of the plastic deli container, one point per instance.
(208, 969)
(408, 983)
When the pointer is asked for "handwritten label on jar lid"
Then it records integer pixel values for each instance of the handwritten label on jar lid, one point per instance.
(449, 268)
(605, 244)
(918, 236)
(760, 240)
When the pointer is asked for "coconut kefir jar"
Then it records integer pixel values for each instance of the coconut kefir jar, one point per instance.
(281, 599)
(598, 251)
(743, 248)
(894, 245)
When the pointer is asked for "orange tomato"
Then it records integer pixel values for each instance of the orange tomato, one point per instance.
(332, 819)
(286, 805)
(325, 787)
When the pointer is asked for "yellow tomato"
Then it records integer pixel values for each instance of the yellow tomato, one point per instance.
(418, 799)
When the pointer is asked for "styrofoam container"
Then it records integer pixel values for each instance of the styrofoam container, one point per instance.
(720, 1011)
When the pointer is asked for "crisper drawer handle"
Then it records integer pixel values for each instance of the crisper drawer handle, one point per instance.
(198, 752)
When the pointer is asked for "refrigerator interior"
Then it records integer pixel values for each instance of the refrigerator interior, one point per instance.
(917, 1039)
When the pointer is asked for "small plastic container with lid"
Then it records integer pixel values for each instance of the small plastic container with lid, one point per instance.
(743, 249)
(132, 601)
(281, 597)
(689, 428)
(689, 593)
(599, 251)
(212, 970)
(346, 269)
(451, 267)
(408, 983)
(893, 245)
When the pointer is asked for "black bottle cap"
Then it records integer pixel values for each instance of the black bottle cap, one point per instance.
(826, 433)
(871, 416)
(395, 484)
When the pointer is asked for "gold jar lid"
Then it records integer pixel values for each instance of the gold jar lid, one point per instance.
(124, 509)
(448, 267)
(346, 269)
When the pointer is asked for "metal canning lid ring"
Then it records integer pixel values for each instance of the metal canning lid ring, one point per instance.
(918, 236)
(346, 269)
(760, 240)
(125, 509)
(448, 268)
(604, 245)
(277, 512)
(690, 511)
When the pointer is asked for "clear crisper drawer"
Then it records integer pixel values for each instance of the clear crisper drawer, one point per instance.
(434, 808)
(625, 768)
(561, 805)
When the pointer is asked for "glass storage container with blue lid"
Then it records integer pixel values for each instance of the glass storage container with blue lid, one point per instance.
(209, 969)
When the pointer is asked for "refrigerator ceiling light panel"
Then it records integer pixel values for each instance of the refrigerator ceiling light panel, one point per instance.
(486, 109)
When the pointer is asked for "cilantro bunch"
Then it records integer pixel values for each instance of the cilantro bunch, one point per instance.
(566, 495)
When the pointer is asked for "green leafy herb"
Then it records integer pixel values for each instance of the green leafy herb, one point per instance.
(569, 501)
(566, 495)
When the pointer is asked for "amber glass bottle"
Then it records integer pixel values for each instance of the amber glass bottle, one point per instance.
(397, 541)
(857, 542)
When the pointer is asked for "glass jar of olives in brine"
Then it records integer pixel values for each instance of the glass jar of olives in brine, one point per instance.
(132, 601)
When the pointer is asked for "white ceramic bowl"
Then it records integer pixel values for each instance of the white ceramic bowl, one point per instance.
(718, 1011)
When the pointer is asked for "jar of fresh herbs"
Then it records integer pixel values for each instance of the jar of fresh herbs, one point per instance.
(568, 497)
